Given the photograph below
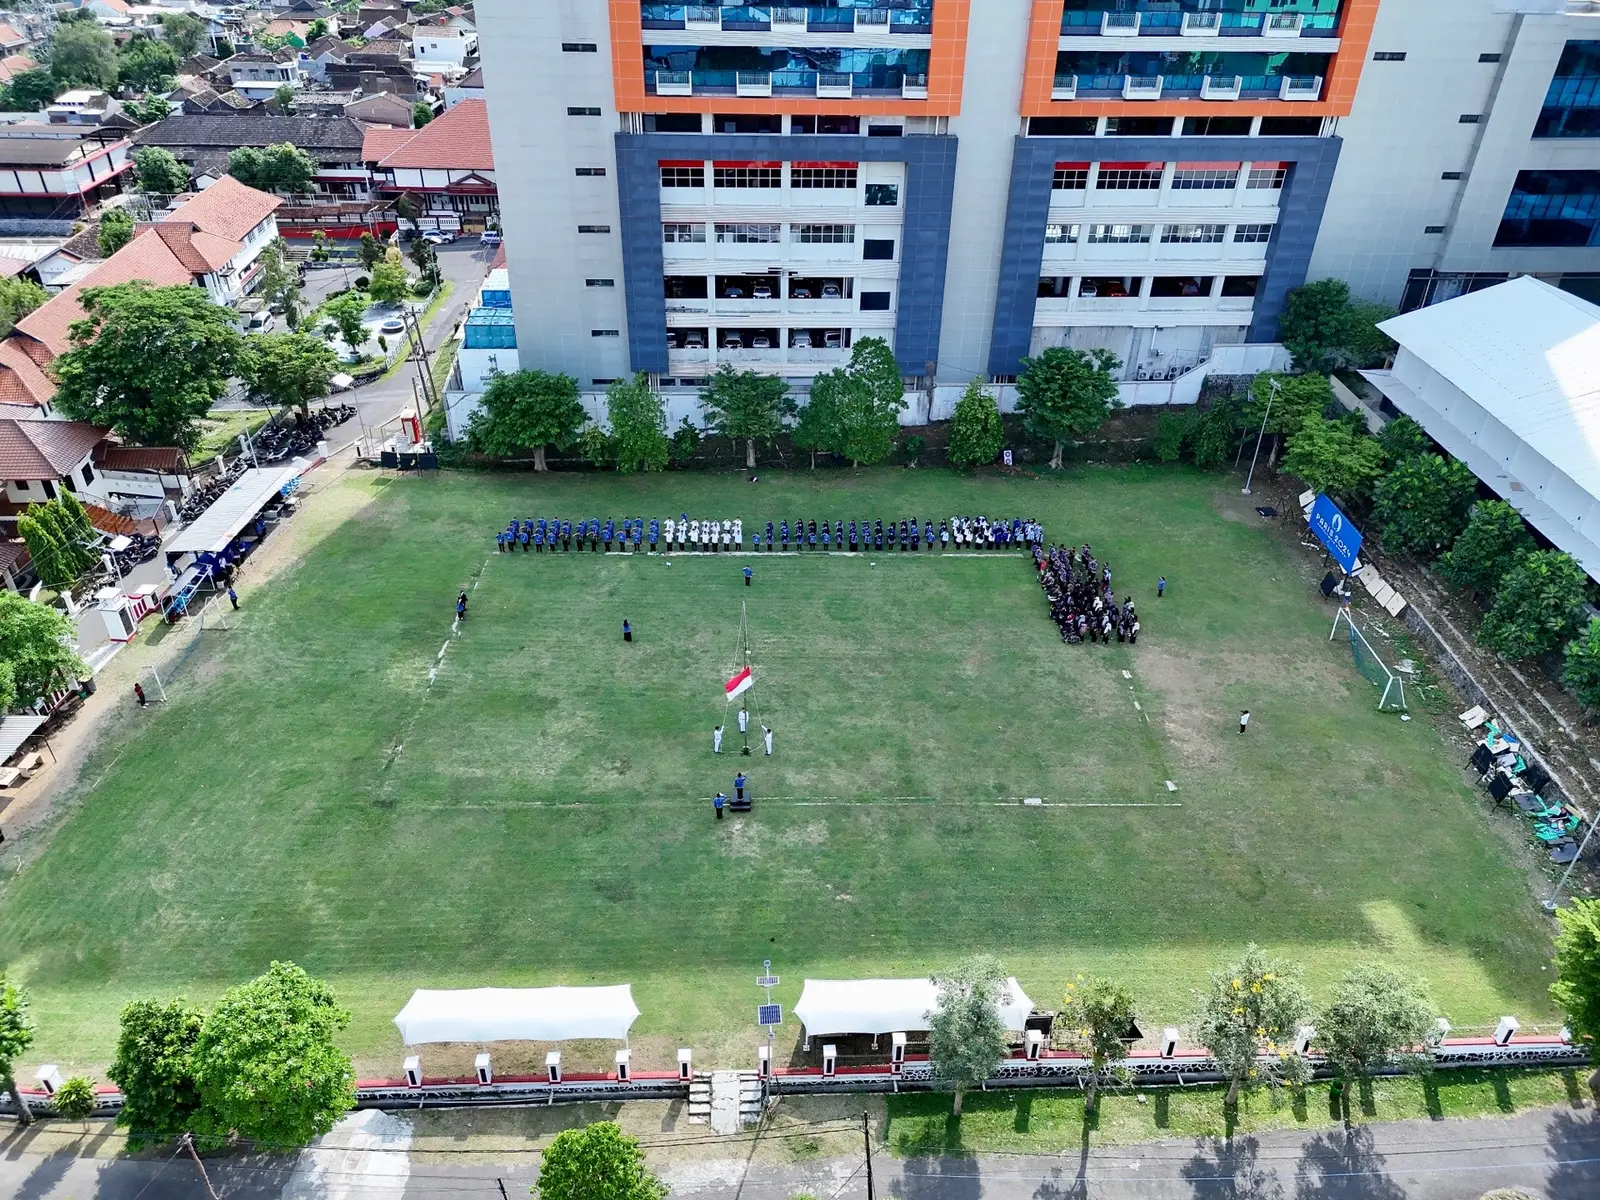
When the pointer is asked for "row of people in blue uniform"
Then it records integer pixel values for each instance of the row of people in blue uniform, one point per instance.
(908, 534)
(634, 534)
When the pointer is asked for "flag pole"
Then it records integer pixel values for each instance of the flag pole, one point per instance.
(744, 649)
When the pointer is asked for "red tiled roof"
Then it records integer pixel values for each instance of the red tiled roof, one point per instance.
(228, 209)
(44, 449)
(13, 65)
(499, 262)
(11, 267)
(114, 457)
(22, 381)
(380, 140)
(107, 521)
(14, 556)
(9, 35)
(456, 140)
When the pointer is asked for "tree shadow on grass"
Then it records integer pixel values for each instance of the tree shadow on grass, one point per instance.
(1231, 1170)
(1344, 1165)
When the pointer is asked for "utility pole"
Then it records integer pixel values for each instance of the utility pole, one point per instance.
(188, 1144)
(419, 347)
(1250, 478)
(866, 1140)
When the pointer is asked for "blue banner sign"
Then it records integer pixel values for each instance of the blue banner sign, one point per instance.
(1334, 530)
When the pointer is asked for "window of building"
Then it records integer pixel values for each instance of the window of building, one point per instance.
(1433, 229)
(1469, 118)
(1552, 208)
(1388, 56)
(683, 175)
(608, 382)
(583, 111)
(823, 175)
(683, 231)
(883, 195)
(748, 175)
(1139, 126)
(1291, 126)
(589, 171)
(580, 48)
(1118, 235)
(1451, 175)
(1062, 126)
(594, 229)
(746, 123)
(1269, 176)
(1248, 234)
(1111, 287)
(1190, 287)
(847, 126)
(672, 123)
(1241, 285)
(878, 248)
(1129, 177)
(1488, 58)
(1071, 177)
(824, 235)
(599, 283)
(886, 131)
(1572, 103)
(685, 287)
(749, 233)
(88, 474)
(20, 484)
(1061, 235)
(49, 488)
(605, 333)
(1193, 234)
(875, 301)
(1205, 177)
(1216, 127)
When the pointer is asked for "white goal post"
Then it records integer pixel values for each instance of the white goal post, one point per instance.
(1368, 662)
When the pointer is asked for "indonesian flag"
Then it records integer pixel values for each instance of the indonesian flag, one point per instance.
(740, 683)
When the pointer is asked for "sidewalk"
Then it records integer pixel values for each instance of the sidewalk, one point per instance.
(1553, 1153)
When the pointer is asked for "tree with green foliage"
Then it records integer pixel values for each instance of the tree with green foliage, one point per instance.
(1325, 329)
(1064, 395)
(149, 110)
(1539, 607)
(154, 1070)
(596, 446)
(1281, 404)
(116, 231)
(976, 433)
(1581, 666)
(318, 29)
(148, 362)
(82, 55)
(1097, 1017)
(18, 298)
(1494, 539)
(58, 541)
(280, 282)
(283, 100)
(863, 401)
(1247, 1019)
(1215, 436)
(1577, 985)
(684, 444)
(1174, 430)
(1377, 1019)
(75, 1099)
(186, 34)
(16, 1031)
(158, 172)
(31, 90)
(427, 260)
(146, 65)
(36, 640)
(1332, 458)
(1403, 438)
(816, 427)
(638, 425)
(225, 49)
(369, 250)
(76, 523)
(290, 369)
(967, 1038)
(8, 687)
(421, 114)
(266, 1065)
(52, 562)
(319, 246)
(1421, 504)
(280, 168)
(598, 1162)
(527, 410)
(406, 209)
(390, 283)
(348, 312)
(745, 405)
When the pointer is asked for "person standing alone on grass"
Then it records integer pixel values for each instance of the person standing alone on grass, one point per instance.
(748, 573)
(461, 607)
(744, 720)
(233, 598)
(717, 802)
(1244, 720)
(627, 630)
(738, 785)
(766, 736)
(138, 694)
(1161, 587)
(716, 740)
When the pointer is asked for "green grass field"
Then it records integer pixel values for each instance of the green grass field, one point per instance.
(546, 816)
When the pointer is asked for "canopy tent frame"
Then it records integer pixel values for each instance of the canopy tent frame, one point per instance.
(830, 1007)
(483, 1015)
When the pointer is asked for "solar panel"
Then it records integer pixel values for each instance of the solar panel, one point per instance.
(768, 1015)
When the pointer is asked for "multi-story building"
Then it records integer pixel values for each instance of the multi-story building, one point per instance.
(688, 185)
(1472, 152)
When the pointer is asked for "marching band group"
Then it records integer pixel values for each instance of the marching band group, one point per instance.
(1083, 603)
(681, 536)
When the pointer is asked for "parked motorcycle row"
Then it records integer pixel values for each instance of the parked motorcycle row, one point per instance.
(285, 437)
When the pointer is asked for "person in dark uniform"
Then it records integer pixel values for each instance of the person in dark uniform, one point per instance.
(891, 537)
(825, 535)
(877, 535)
(655, 533)
(566, 537)
(852, 537)
(627, 630)
(838, 534)
(606, 534)
(461, 607)
(785, 535)
(500, 542)
(916, 535)
(538, 538)
(904, 534)
(769, 535)
(717, 802)
(811, 536)
(749, 574)
(638, 534)
(738, 786)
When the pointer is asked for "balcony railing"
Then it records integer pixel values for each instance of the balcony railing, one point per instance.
(914, 87)
(1201, 24)
(674, 83)
(1141, 87)
(1301, 87)
(752, 83)
(835, 86)
(1064, 88)
(1283, 25)
(1119, 24)
(909, 19)
(789, 18)
(1115, 23)
(795, 83)
(1221, 87)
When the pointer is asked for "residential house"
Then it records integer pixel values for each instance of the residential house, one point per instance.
(259, 76)
(468, 87)
(370, 12)
(45, 175)
(437, 46)
(214, 240)
(203, 141)
(84, 106)
(41, 458)
(102, 10)
(446, 167)
(12, 41)
(383, 109)
(13, 65)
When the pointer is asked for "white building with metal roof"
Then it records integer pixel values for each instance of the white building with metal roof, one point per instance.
(1507, 380)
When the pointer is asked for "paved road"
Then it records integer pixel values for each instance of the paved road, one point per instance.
(1554, 1153)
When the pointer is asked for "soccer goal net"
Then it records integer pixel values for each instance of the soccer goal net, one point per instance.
(1392, 698)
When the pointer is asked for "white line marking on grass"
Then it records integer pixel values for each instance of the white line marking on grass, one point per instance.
(789, 802)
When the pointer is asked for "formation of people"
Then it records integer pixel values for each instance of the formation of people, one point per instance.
(1083, 604)
(631, 535)
(908, 533)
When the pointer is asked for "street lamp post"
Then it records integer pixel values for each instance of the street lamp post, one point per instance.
(1271, 395)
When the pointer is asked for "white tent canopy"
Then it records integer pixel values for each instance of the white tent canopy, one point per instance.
(554, 1014)
(876, 1006)
(213, 529)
